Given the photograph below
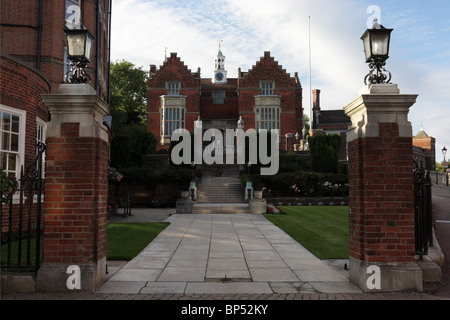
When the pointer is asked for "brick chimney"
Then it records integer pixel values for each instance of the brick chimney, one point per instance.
(316, 107)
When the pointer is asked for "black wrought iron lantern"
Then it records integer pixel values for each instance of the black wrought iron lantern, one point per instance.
(79, 45)
(376, 48)
(444, 151)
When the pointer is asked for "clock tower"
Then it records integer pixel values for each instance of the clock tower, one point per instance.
(219, 74)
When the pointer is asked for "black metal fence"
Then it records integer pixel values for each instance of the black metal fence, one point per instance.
(21, 230)
(423, 210)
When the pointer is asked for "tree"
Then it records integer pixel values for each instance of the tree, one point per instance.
(128, 93)
(306, 123)
(132, 142)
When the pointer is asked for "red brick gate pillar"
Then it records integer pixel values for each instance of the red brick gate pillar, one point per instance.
(381, 206)
(75, 191)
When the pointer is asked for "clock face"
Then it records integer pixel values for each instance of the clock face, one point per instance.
(219, 76)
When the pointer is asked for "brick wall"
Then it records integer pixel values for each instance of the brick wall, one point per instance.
(381, 197)
(20, 31)
(21, 89)
(76, 196)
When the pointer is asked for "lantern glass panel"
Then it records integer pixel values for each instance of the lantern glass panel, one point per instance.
(88, 48)
(379, 44)
(367, 50)
(76, 44)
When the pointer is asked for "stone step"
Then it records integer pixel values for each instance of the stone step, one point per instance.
(238, 208)
(223, 189)
(206, 187)
(234, 197)
(226, 199)
(221, 200)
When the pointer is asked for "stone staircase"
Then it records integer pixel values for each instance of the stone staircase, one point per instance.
(220, 191)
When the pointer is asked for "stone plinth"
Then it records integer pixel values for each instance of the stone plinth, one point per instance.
(184, 206)
(257, 206)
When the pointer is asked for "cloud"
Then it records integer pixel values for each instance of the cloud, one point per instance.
(143, 29)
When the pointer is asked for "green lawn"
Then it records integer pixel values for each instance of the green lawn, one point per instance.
(125, 240)
(322, 230)
(15, 252)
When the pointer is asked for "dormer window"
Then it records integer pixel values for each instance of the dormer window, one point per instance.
(267, 88)
(173, 88)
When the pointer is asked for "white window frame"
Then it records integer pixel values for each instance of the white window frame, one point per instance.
(20, 154)
(268, 118)
(173, 117)
(41, 124)
(267, 88)
(173, 88)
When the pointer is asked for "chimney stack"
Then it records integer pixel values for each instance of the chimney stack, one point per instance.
(316, 107)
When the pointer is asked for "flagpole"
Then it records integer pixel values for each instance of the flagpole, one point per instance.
(310, 88)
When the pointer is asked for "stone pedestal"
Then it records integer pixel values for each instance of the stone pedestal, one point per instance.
(76, 188)
(289, 142)
(257, 206)
(184, 206)
(381, 201)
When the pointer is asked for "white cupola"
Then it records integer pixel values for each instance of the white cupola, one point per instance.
(219, 74)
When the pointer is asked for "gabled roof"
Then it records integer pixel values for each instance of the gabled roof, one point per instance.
(333, 117)
(421, 134)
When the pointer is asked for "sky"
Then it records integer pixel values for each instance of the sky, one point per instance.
(319, 39)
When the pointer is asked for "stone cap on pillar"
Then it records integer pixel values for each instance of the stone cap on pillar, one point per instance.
(77, 103)
(379, 103)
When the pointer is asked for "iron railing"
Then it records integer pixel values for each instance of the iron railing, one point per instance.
(21, 236)
(422, 210)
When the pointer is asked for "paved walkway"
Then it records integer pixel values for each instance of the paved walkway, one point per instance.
(226, 254)
(190, 259)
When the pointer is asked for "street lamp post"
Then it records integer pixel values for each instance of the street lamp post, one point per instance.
(444, 152)
(79, 45)
(376, 48)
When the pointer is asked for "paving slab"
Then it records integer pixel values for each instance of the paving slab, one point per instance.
(122, 287)
(142, 274)
(280, 274)
(164, 287)
(182, 274)
(334, 287)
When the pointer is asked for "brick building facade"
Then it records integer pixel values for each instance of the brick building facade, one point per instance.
(266, 97)
(331, 122)
(424, 150)
(33, 62)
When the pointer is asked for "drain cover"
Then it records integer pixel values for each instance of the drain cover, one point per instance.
(227, 279)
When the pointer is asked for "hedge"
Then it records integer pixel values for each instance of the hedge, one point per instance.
(324, 152)
(299, 184)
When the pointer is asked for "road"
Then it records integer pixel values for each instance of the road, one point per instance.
(441, 213)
